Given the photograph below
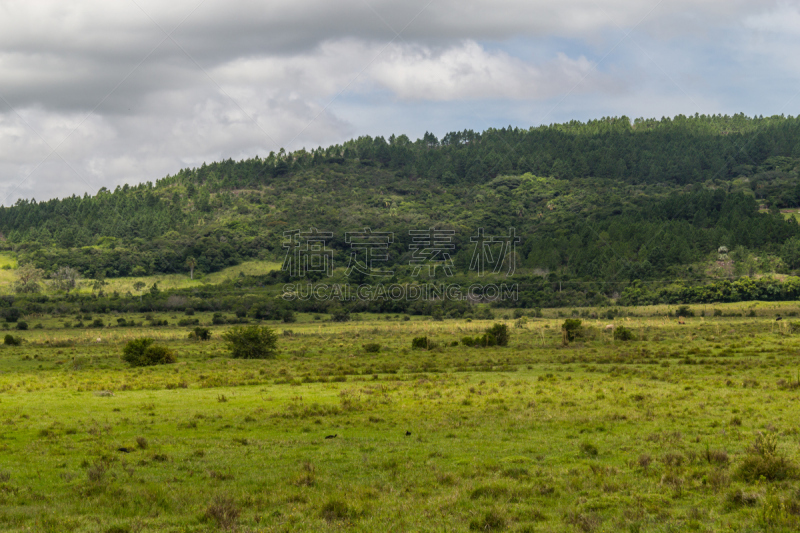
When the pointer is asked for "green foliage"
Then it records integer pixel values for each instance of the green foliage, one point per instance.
(498, 334)
(621, 333)
(143, 352)
(21, 325)
(251, 342)
(421, 343)
(372, 347)
(764, 461)
(573, 327)
(11, 314)
(200, 333)
(11, 340)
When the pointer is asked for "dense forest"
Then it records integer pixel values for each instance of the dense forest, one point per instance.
(600, 207)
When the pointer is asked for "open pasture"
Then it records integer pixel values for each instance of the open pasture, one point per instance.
(689, 427)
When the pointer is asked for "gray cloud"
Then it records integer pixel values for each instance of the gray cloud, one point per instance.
(244, 77)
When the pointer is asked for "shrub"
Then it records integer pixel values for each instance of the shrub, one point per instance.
(11, 340)
(11, 314)
(764, 461)
(188, 322)
(771, 468)
(372, 347)
(218, 319)
(421, 343)
(98, 323)
(684, 311)
(573, 328)
(288, 316)
(717, 312)
(621, 333)
(189, 311)
(468, 341)
(224, 511)
(200, 333)
(499, 333)
(142, 352)
(252, 342)
(22, 325)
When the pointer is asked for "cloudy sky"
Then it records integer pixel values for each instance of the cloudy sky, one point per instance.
(99, 93)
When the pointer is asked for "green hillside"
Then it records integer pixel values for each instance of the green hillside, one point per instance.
(600, 207)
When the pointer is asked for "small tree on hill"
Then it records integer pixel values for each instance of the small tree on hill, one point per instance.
(28, 279)
(192, 264)
(252, 342)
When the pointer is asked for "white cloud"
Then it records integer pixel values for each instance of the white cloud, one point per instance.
(269, 72)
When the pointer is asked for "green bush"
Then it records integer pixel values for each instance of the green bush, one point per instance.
(11, 340)
(142, 352)
(22, 325)
(421, 343)
(573, 328)
(200, 333)
(218, 319)
(189, 311)
(252, 342)
(372, 347)
(684, 311)
(468, 341)
(98, 323)
(498, 332)
(623, 334)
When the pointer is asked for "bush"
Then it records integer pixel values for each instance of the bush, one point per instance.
(421, 343)
(189, 311)
(468, 341)
(499, 333)
(142, 352)
(288, 316)
(765, 461)
(98, 323)
(188, 322)
(623, 334)
(11, 314)
(252, 342)
(218, 319)
(202, 334)
(22, 325)
(11, 340)
(372, 347)
(573, 328)
(684, 311)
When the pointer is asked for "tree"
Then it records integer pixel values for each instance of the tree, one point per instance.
(65, 278)
(138, 286)
(252, 342)
(28, 279)
(191, 263)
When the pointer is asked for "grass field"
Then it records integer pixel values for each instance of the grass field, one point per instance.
(690, 427)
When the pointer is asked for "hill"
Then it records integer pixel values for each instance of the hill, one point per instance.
(598, 206)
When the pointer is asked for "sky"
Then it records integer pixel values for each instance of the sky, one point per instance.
(97, 94)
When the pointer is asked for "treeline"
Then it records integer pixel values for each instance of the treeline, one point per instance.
(608, 199)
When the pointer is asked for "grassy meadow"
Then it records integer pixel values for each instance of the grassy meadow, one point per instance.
(690, 427)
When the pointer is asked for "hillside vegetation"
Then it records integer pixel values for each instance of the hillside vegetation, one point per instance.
(599, 206)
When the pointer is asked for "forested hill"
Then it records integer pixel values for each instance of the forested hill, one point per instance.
(608, 199)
